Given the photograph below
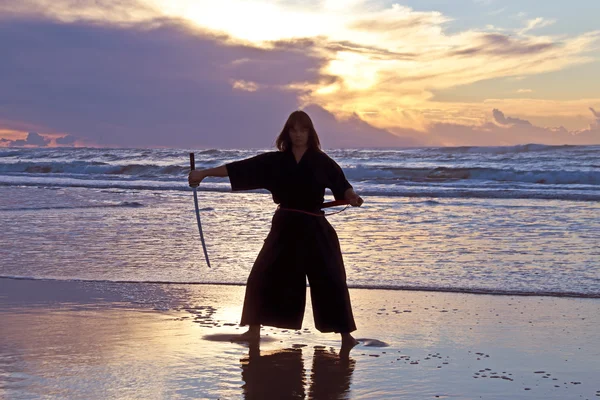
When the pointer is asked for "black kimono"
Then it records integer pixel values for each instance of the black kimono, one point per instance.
(299, 245)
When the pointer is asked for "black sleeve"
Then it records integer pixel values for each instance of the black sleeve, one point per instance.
(336, 179)
(252, 173)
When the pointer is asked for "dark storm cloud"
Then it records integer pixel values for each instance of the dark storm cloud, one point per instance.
(149, 84)
(142, 85)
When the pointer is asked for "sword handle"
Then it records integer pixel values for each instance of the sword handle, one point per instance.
(335, 203)
(193, 166)
(192, 162)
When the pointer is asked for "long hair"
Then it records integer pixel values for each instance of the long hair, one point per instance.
(301, 120)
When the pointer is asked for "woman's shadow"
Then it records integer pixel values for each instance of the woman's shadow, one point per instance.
(281, 374)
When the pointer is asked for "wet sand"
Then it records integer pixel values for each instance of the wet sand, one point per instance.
(106, 340)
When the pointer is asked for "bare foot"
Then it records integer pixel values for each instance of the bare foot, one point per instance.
(348, 342)
(251, 335)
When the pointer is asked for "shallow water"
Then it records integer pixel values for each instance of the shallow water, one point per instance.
(489, 245)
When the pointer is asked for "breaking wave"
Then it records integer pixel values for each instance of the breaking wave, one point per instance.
(525, 171)
(379, 174)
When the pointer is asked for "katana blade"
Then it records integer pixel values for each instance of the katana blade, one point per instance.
(200, 227)
(193, 167)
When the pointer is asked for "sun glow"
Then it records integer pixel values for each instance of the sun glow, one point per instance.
(357, 71)
(252, 21)
(388, 57)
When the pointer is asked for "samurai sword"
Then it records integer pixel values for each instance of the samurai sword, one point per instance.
(193, 167)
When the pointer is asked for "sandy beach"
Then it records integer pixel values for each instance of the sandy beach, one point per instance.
(120, 340)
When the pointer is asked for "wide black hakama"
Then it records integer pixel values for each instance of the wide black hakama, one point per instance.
(298, 246)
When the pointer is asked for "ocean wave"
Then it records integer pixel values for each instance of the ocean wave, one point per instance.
(11, 153)
(522, 148)
(561, 172)
(443, 289)
(93, 168)
(428, 202)
(124, 155)
(361, 172)
(441, 174)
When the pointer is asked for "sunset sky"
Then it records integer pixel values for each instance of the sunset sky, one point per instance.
(189, 73)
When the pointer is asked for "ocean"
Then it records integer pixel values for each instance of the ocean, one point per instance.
(498, 220)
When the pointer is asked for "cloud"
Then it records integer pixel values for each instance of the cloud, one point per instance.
(398, 18)
(137, 76)
(536, 23)
(33, 139)
(245, 85)
(510, 131)
(36, 139)
(410, 63)
(591, 135)
(374, 55)
(496, 12)
(373, 51)
(160, 84)
(66, 140)
(504, 45)
(350, 131)
(524, 91)
(502, 120)
(596, 124)
(117, 11)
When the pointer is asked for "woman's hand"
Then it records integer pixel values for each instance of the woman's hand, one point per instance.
(354, 199)
(195, 177)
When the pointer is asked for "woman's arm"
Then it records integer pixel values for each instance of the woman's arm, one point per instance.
(354, 199)
(196, 176)
(339, 185)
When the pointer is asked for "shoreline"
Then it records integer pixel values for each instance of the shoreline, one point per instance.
(473, 291)
(97, 340)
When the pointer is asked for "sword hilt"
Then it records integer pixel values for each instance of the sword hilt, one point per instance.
(335, 203)
(192, 165)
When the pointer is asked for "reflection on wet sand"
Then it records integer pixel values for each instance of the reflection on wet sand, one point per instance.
(275, 375)
(331, 375)
(280, 374)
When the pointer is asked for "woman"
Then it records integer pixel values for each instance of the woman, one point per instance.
(301, 242)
